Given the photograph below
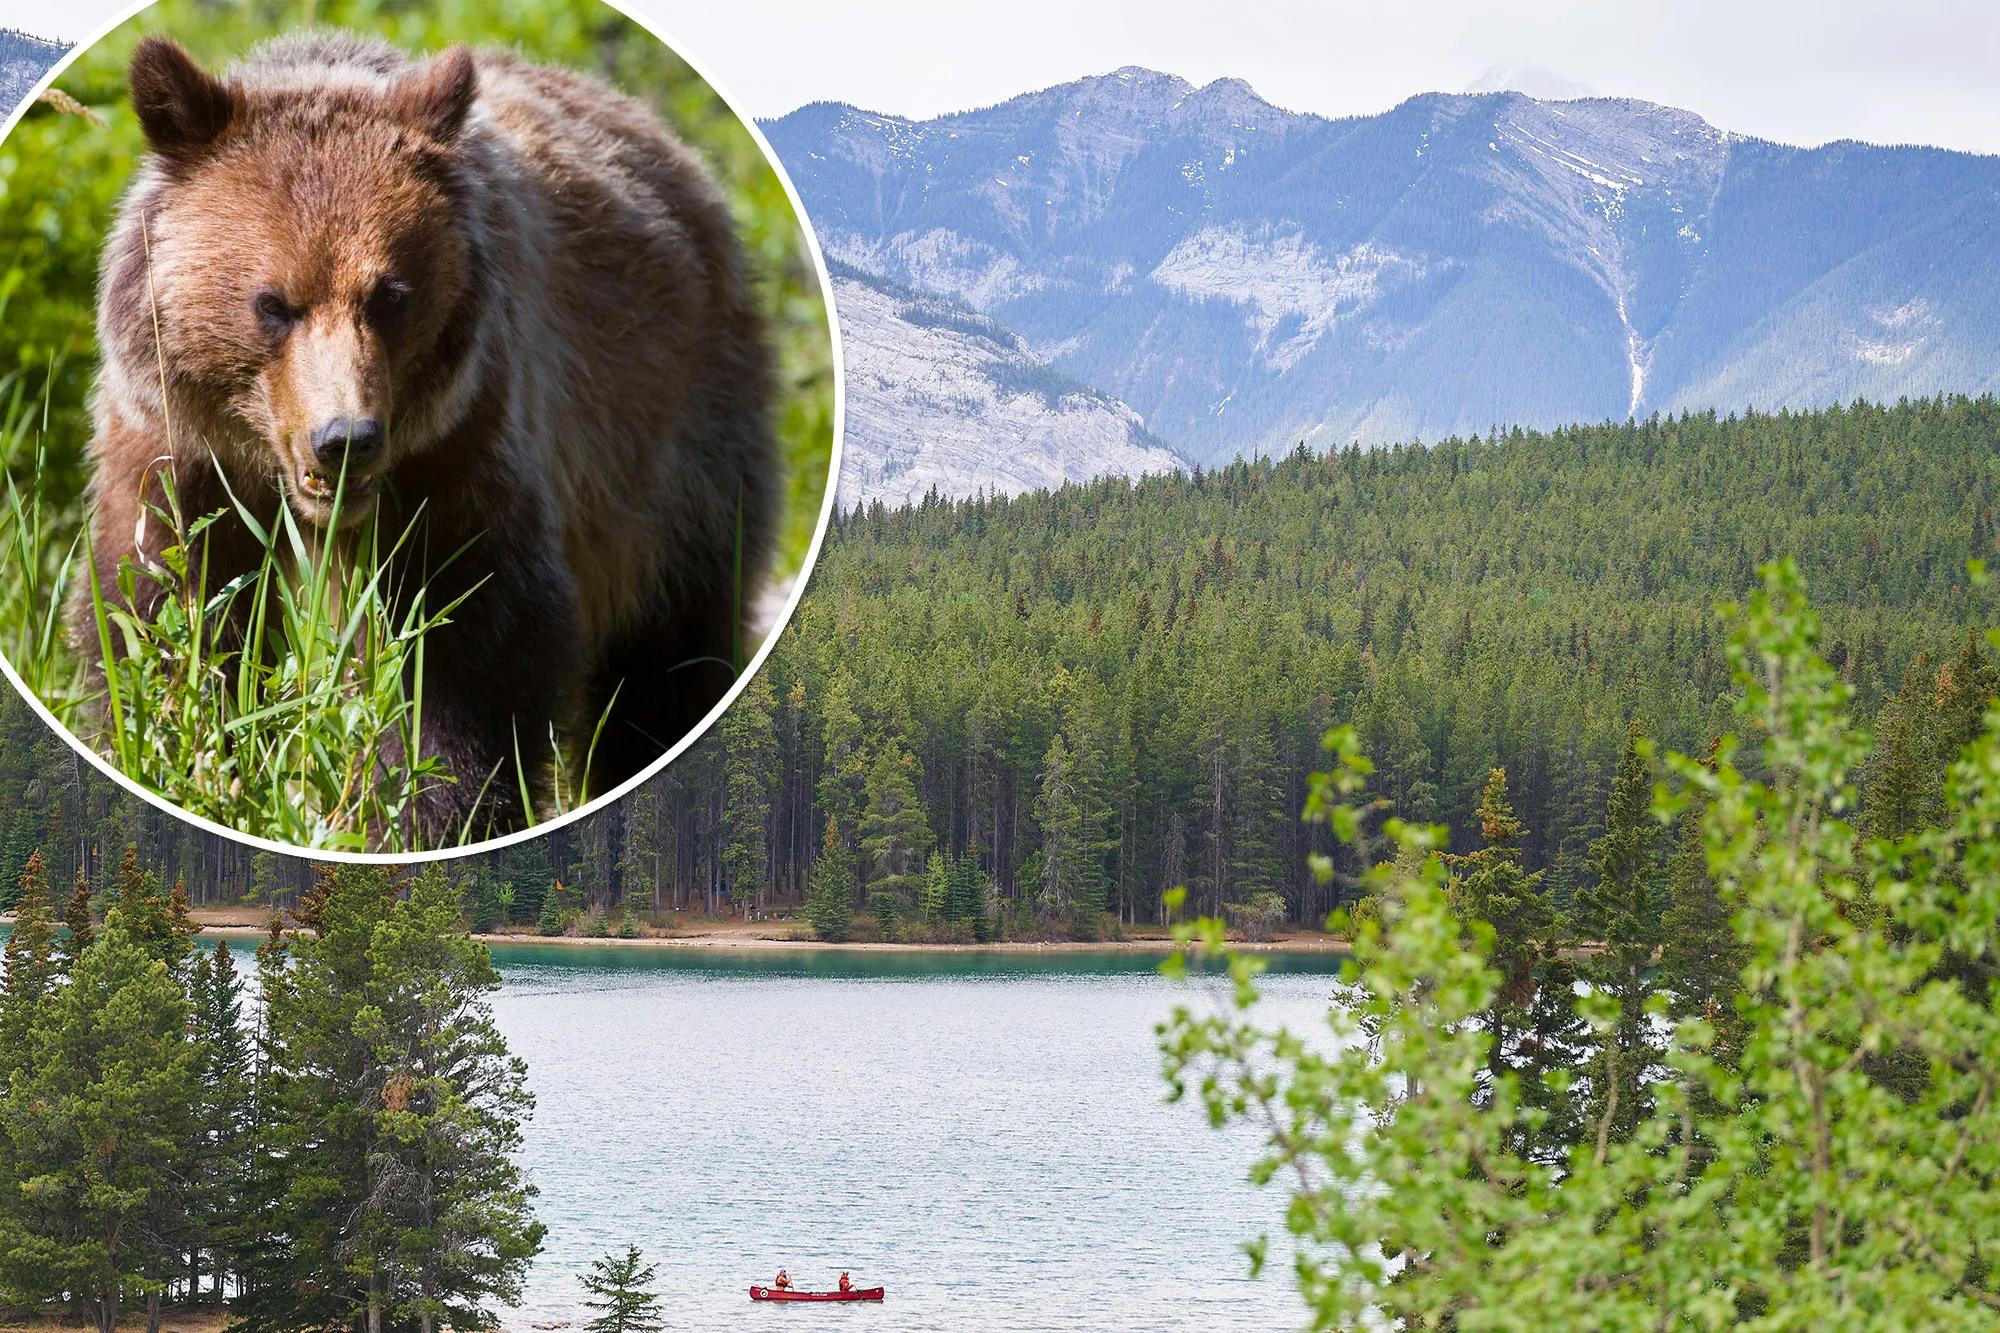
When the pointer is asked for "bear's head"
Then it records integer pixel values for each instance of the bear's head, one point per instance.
(306, 259)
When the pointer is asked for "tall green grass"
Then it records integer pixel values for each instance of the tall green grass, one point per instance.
(283, 702)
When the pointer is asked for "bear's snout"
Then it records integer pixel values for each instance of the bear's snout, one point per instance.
(353, 440)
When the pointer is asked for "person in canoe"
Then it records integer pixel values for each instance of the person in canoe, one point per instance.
(846, 1283)
(783, 1281)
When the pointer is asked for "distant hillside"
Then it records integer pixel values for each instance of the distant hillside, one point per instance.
(24, 59)
(1245, 276)
(1188, 639)
(939, 397)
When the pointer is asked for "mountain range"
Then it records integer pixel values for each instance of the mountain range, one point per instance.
(1128, 273)
(1244, 277)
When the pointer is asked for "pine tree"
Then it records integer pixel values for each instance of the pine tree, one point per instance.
(639, 861)
(1623, 912)
(750, 746)
(895, 835)
(620, 1286)
(1530, 1026)
(552, 919)
(159, 923)
(30, 982)
(1702, 956)
(1072, 888)
(1904, 789)
(218, 1170)
(830, 893)
(391, 1099)
(844, 769)
(102, 1127)
(80, 928)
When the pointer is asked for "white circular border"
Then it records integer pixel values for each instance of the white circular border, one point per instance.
(597, 803)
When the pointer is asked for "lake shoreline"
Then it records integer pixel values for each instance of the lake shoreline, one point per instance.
(763, 937)
(192, 1319)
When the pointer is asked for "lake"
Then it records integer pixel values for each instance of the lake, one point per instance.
(982, 1134)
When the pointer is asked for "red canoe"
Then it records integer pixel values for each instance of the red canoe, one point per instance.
(773, 1294)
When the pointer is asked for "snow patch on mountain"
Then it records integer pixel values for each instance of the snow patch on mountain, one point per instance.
(1287, 283)
(1898, 332)
(941, 261)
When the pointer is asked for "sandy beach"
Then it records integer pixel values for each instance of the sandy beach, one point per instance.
(787, 934)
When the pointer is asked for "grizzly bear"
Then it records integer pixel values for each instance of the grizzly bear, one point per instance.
(510, 308)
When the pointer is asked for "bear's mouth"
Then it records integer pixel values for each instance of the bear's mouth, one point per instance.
(320, 489)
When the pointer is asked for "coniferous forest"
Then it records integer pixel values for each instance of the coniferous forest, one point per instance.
(333, 1148)
(1101, 692)
(1037, 714)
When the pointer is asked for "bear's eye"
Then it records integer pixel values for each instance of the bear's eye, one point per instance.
(273, 312)
(387, 301)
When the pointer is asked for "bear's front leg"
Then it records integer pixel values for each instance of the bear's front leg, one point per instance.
(496, 680)
(129, 522)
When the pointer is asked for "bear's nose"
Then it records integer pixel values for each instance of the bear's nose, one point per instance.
(356, 439)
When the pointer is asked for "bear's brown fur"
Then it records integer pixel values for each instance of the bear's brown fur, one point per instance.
(535, 292)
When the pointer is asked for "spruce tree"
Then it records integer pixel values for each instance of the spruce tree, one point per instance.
(966, 896)
(1622, 911)
(843, 769)
(158, 922)
(450, 1215)
(830, 892)
(392, 1102)
(1530, 1026)
(750, 749)
(18, 845)
(218, 1172)
(1904, 786)
(639, 860)
(32, 969)
(1072, 889)
(935, 894)
(1702, 955)
(80, 927)
(895, 834)
(99, 1133)
(551, 919)
(1966, 689)
(620, 1287)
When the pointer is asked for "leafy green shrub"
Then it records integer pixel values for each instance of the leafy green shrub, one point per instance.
(1258, 917)
(1838, 1166)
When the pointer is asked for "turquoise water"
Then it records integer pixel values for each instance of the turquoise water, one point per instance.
(984, 1135)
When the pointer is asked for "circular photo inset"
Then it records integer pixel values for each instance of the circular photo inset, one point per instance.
(416, 420)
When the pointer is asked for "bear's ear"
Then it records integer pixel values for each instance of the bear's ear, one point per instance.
(182, 108)
(437, 98)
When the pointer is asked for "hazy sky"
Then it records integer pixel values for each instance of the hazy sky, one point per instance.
(1802, 71)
